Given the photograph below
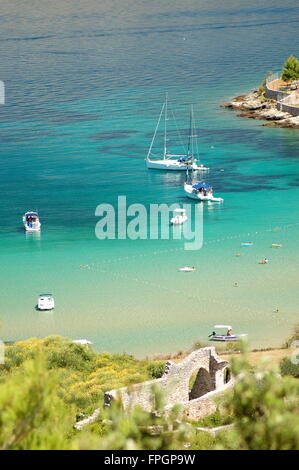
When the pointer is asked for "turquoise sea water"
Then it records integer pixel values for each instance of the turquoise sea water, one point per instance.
(84, 88)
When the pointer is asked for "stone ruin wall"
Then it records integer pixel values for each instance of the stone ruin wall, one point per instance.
(210, 381)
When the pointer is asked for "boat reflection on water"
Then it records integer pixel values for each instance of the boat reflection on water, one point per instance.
(167, 178)
(33, 236)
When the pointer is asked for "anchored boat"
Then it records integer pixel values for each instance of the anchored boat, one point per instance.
(46, 302)
(31, 221)
(180, 217)
(170, 161)
(82, 341)
(222, 336)
(187, 269)
(201, 192)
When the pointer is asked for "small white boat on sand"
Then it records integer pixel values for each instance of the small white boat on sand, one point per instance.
(82, 341)
(187, 269)
(31, 221)
(46, 302)
(180, 217)
(226, 334)
(201, 192)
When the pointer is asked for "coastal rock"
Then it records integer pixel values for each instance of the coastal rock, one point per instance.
(274, 114)
(290, 123)
(251, 101)
(255, 106)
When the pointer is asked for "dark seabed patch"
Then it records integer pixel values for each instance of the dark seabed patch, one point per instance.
(215, 136)
(113, 135)
(24, 135)
(54, 116)
(127, 151)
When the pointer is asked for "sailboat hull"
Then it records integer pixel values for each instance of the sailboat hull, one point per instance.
(173, 165)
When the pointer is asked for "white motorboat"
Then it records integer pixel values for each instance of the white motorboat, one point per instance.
(46, 302)
(201, 192)
(228, 336)
(31, 221)
(180, 217)
(177, 162)
(187, 269)
(82, 341)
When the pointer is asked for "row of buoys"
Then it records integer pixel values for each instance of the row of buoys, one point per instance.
(264, 260)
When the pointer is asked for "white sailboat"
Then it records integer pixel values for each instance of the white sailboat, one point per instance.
(177, 162)
(199, 190)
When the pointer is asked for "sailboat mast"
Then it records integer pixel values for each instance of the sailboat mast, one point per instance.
(190, 142)
(189, 136)
(165, 127)
(192, 132)
(154, 136)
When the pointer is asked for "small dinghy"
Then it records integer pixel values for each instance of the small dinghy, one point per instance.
(180, 217)
(228, 336)
(187, 269)
(276, 245)
(247, 244)
(46, 302)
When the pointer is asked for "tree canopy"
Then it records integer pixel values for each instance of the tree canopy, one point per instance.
(291, 69)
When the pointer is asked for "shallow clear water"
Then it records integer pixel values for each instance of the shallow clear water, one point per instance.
(84, 87)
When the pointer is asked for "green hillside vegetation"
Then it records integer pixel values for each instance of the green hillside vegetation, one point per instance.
(83, 375)
(46, 384)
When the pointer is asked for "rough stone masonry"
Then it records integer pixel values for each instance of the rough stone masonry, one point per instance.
(211, 376)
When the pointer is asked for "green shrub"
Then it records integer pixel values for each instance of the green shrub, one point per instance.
(287, 367)
(156, 370)
(294, 337)
(215, 419)
(265, 409)
(32, 415)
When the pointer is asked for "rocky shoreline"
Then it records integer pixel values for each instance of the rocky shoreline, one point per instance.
(254, 105)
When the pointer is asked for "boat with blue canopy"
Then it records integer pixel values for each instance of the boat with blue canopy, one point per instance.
(201, 191)
(31, 221)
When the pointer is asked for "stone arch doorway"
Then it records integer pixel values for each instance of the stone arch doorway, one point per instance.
(200, 383)
(227, 375)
